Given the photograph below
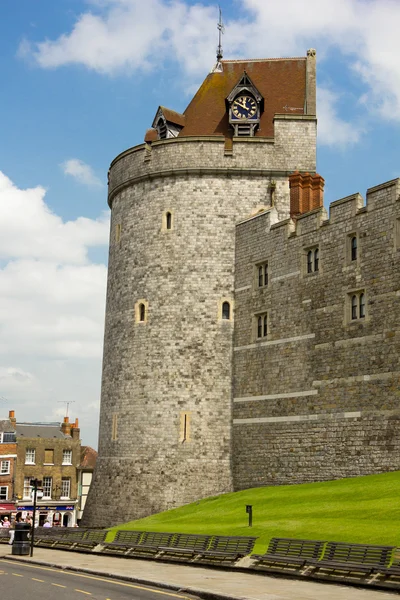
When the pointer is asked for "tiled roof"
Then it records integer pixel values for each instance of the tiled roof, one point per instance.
(43, 430)
(282, 83)
(6, 426)
(151, 135)
(173, 117)
(88, 458)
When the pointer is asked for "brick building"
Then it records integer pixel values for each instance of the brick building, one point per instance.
(51, 453)
(8, 456)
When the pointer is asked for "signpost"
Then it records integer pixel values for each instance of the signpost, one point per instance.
(35, 483)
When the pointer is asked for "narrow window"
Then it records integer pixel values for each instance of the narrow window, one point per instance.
(185, 427)
(354, 307)
(65, 487)
(27, 487)
(3, 492)
(260, 277)
(47, 487)
(316, 260)
(354, 247)
(67, 457)
(114, 427)
(168, 220)
(362, 306)
(226, 310)
(118, 233)
(265, 326)
(309, 261)
(266, 274)
(259, 327)
(142, 312)
(30, 456)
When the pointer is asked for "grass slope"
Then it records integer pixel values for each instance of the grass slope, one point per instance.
(361, 509)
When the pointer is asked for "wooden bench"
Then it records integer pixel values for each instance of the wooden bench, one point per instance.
(186, 545)
(289, 553)
(90, 540)
(123, 542)
(392, 573)
(150, 543)
(352, 559)
(226, 549)
(60, 536)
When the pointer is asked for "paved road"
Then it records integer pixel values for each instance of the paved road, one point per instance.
(19, 581)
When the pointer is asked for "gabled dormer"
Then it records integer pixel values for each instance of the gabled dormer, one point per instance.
(168, 123)
(245, 105)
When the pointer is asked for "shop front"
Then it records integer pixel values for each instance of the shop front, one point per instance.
(57, 515)
(7, 510)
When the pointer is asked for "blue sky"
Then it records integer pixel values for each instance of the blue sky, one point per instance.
(81, 82)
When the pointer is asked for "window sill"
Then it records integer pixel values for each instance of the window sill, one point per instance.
(48, 464)
(66, 464)
(8, 473)
(65, 498)
(30, 463)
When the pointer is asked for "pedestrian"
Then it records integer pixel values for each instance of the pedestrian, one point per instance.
(6, 522)
(47, 524)
(29, 520)
(18, 519)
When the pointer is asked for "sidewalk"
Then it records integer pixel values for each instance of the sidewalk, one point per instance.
(200, 581)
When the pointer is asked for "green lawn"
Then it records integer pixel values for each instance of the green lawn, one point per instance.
(362, 509)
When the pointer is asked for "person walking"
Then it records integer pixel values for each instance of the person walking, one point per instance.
(6, 522)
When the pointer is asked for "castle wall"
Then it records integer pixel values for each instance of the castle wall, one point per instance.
(318, 397)
(176, 364)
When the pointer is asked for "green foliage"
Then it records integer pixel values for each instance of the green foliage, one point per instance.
(361, 509)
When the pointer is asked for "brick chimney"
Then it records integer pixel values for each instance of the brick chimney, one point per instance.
(75, 431)
(66, 426)
(306, 193)
(11, 417)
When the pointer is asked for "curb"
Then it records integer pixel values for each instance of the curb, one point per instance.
(207, 595)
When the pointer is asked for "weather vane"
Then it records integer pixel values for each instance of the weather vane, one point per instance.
(221, 30)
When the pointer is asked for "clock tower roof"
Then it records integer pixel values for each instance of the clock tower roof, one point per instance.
(287, 86)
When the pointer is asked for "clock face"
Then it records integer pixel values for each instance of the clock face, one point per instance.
(244, 107)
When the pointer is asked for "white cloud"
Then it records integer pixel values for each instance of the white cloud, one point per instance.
(332, 130)
(81, 172)
(51, 308)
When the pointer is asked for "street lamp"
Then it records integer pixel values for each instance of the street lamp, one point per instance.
(35, 483)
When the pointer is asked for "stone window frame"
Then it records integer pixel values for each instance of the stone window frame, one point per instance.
(117, 233)
(397, 233)
(5, 467)
(114, 427)
(67, 456)
(141, 314)
(356, 306)
(3, 494)
(185, 427)
(311, 260)
(221, 303)
(261, 272)
(30, 452)
(261, 326)
(164, 221)
(353, 248)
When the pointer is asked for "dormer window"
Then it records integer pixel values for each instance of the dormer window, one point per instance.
(161, 129)
(168, 123)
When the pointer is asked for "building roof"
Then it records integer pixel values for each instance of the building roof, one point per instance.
(172, 116)
(281, 82)
(43, 430)
(88, 458)
(6, 426)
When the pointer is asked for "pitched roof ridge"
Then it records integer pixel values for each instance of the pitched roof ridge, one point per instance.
(249, 60)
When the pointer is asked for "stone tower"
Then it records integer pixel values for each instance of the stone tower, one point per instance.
(166, 408)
